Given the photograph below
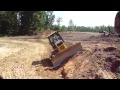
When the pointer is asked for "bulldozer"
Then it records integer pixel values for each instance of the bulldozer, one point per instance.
(61, 51)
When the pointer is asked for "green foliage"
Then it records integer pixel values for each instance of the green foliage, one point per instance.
(55, 27)
(63, 28)
(8, 22)
(30, 22)
(26, 19)
(59, 20)
(25, 22)
(84, 29)
(38, 21)
(49, 19)
(71, 25)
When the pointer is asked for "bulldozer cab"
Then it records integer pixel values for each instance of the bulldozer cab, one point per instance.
(55, 40)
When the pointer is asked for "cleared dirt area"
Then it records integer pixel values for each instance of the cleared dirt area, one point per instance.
(16, 57)
(26, 57)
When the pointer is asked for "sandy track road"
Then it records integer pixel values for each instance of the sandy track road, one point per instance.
(16, 57)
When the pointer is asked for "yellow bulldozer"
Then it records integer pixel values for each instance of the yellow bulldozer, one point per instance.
(61, 51)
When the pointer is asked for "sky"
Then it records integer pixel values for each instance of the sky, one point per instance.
(86, 18)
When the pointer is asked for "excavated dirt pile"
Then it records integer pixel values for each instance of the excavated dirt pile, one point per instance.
(96, 64)
(100, 59)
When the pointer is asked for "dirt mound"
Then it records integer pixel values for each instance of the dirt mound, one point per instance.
(90, 65)
(95, 64)
(47, 32)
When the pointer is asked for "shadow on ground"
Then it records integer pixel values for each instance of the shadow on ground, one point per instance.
(44, 62)
(47, 63)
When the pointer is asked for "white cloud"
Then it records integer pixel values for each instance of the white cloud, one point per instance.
(87, 18)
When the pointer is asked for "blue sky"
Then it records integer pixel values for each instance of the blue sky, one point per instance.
(86, 18)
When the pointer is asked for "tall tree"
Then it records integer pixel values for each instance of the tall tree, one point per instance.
(39, 19)
(42, 20)
(8, 22)
(26, 19)
(71, 25)
(49, 19)
(59, 20)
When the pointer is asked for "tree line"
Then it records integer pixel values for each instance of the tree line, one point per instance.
(25, 22)
(72, 27)
(33, 22)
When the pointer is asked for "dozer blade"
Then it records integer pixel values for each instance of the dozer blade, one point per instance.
(60, 57)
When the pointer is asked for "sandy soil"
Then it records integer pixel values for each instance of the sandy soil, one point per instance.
(16, 57)
(25, 57)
